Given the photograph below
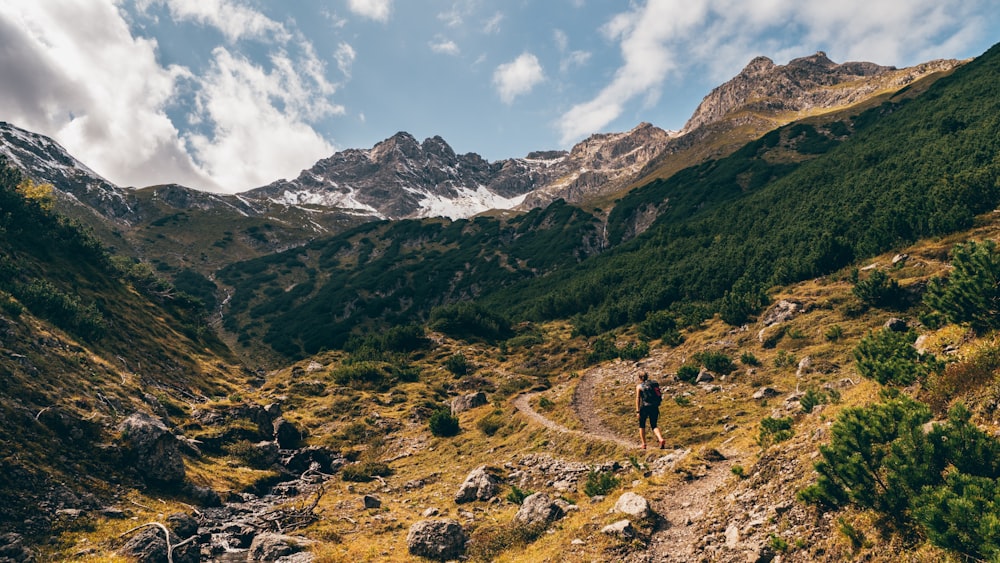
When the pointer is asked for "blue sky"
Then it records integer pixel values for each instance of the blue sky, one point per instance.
(229, 95)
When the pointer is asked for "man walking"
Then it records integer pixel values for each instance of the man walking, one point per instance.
(647, 406)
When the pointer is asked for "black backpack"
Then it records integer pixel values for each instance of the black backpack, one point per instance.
(649, 393)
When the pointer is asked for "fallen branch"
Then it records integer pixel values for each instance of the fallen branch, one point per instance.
(166, 534)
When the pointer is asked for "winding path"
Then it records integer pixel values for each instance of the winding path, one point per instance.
(682, 508)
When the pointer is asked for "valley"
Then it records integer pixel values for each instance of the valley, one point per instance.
(316, 370)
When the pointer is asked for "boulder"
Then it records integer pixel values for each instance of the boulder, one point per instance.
(766, 393)
(270, 546)
(149, 544)
(481, 484)
(538, 509)
(633, 505)
(286, 434)
(371, 501)
(467, 402)
(12, 549)
(436, 539)
(622, 529)
(155, 452)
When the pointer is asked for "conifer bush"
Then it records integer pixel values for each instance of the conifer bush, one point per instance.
(890, 358)
(970, 294)
(443, 424)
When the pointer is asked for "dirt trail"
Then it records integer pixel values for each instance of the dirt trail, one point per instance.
(682, 508)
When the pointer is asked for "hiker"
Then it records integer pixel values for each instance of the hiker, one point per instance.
(647, 405)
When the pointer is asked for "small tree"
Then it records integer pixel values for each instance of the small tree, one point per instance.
(971, 292)
(443, 424)
(890, 358)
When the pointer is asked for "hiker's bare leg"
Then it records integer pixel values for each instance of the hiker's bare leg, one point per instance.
(659, 437)
(642, 436)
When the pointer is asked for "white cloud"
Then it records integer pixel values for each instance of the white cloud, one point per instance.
(377, 10)
(659, 39)
(444, 46)
(73, 71)
(569, 59)
(241, 101)
(233, 20)
(101, 95)
(517, 77)
(492, 25)
(345, 56)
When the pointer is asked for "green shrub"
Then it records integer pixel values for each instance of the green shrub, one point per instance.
(443, 424)
(470, 321)
(365, 472)
(688, 373)
(458, 364)
(878, 290)
(517, 495)
(717, 362)
(657, 325)
(545, 404)
(890, 358)
(834, 333)
(774, 430)
(785, 359)
(811, 398)
(748, 359)
(600, 483)
(971, 292)
(491, 423)
(489, 542)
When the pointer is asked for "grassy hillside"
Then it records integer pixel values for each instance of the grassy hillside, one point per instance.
(88, 338)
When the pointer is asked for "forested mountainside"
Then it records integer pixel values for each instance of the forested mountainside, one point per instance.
(802, 201)
(819, 308)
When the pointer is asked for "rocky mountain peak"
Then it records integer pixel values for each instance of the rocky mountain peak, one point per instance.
(438, 147)
(402, 145)
(757, 66)
(802, 84)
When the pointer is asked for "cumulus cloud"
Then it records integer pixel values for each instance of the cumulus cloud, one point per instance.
(105, 97)
(237, 97)
(377, 10)
(102, 95)
(517, 77)
(233, 20)
(664, 39)
(345, 56)
(444, 46)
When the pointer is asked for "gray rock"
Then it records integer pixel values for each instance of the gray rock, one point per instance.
(436, 539)
(12, 549)
(538, 509)
(371, 501)
(766, 393)
(622, 529)
(633, 505)
(286, 434)
(481, 484)
(467, 402)
(155, 452)
(271, 547)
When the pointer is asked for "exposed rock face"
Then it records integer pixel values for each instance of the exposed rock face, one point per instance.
(600, 164)
(271, 547)
(155, 451)
(633, 505)
(436, 539)
(481, 484)
(466, 402)
(538, 509)
(803, 84)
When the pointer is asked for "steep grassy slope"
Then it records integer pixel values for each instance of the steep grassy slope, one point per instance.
(87, 338)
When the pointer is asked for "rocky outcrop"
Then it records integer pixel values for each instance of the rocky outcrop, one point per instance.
(538, 509)
(481, 484)
(467, 402)
(272, 547)
(436, 539)
(153, 450)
